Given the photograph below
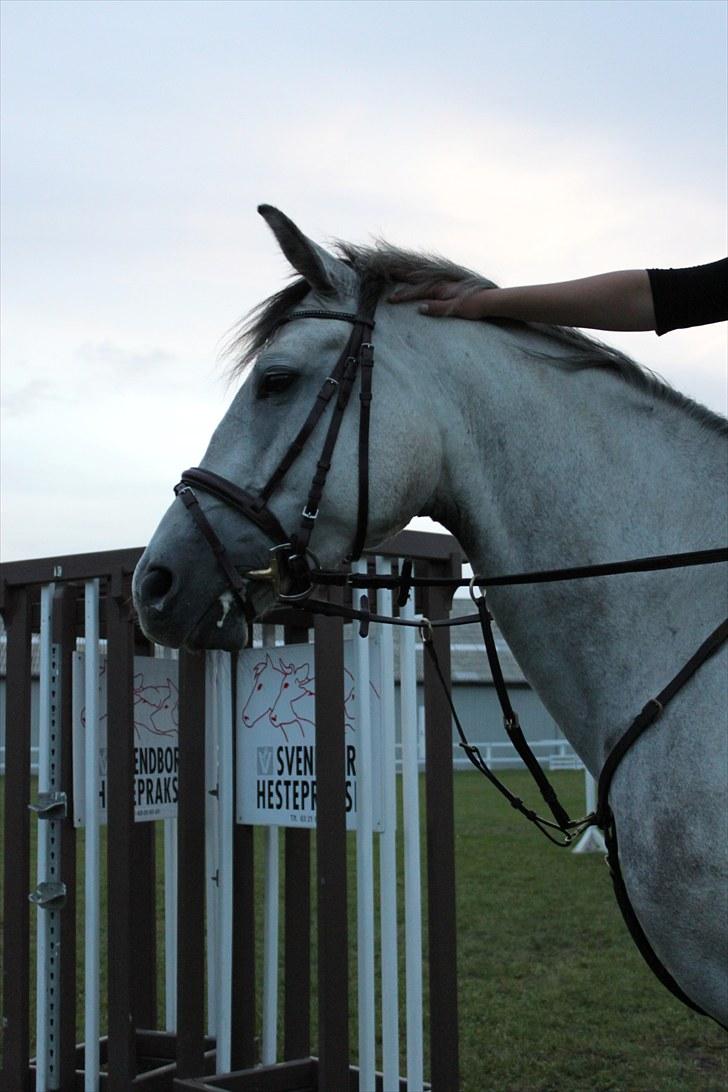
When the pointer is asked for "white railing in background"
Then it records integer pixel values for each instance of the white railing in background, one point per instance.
(410, 767)
(364, 861)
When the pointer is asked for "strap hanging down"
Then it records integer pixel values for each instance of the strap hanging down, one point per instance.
(366, 366)
(511, 722)
(568, 829)
(329, 387)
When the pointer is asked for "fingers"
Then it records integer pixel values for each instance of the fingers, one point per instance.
(440, 291)
(439, 307)
(447, 298)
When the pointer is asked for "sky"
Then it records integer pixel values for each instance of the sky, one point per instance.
(532, 141)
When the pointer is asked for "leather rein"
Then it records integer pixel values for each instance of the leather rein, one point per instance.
(294, 580)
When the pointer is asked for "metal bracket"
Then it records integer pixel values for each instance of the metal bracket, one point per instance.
(50, 805)
(49, 896)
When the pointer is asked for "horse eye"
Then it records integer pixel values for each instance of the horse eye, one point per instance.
(276, 381)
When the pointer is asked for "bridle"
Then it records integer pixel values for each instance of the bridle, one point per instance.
(289, 569)
(294, 579)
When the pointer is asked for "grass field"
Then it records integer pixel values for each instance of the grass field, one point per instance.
(553, 995)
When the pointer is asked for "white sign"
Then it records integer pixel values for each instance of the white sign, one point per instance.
(156, 738)
(276, 736)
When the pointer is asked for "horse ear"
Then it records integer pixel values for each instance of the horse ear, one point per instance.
(328, 276)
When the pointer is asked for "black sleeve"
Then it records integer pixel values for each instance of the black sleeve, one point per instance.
(689, 297)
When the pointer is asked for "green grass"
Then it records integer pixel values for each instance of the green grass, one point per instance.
(553, 995)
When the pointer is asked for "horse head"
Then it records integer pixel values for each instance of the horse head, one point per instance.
(181, 592)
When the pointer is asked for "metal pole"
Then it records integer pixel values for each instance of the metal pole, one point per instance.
(364, 863)
(411, 823)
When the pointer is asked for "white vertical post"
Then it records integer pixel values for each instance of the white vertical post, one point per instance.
(388, 847)
(364, 864)
(269, 1043)
(170, 924)
(592, 840)
(225, 860)
(92, 877)
(44, 954)
(411, 823)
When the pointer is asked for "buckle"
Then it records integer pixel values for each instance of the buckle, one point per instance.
(471, 588)
(308, 515)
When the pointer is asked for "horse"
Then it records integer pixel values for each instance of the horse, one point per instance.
(538, 447)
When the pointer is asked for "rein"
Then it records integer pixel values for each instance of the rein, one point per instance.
(293, 580)
(568, 828)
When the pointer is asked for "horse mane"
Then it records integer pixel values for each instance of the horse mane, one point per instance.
(386, 265)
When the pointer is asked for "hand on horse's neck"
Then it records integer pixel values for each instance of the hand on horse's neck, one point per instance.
(547, 468)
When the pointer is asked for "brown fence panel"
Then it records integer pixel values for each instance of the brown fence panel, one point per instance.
(132, 952)
(442, 927)
(191, 867)
(333, 975)
(122, 951)
(16, 908)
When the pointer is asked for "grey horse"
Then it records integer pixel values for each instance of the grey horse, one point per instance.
(538, 448)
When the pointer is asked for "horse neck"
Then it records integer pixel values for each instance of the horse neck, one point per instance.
(548, 468)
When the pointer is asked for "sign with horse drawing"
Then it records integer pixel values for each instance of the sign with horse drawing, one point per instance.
(156, 741)
(276, 736)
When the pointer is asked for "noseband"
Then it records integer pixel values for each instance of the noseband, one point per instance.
(289, 570)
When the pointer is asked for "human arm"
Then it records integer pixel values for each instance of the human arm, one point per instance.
(621, 300)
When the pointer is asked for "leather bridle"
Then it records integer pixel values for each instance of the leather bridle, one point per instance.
(289, 569)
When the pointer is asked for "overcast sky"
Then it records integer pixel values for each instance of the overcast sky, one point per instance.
(532, 141)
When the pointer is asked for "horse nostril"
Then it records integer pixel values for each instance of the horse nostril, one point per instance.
(157, 583)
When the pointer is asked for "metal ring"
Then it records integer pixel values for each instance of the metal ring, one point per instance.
(470, 589)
